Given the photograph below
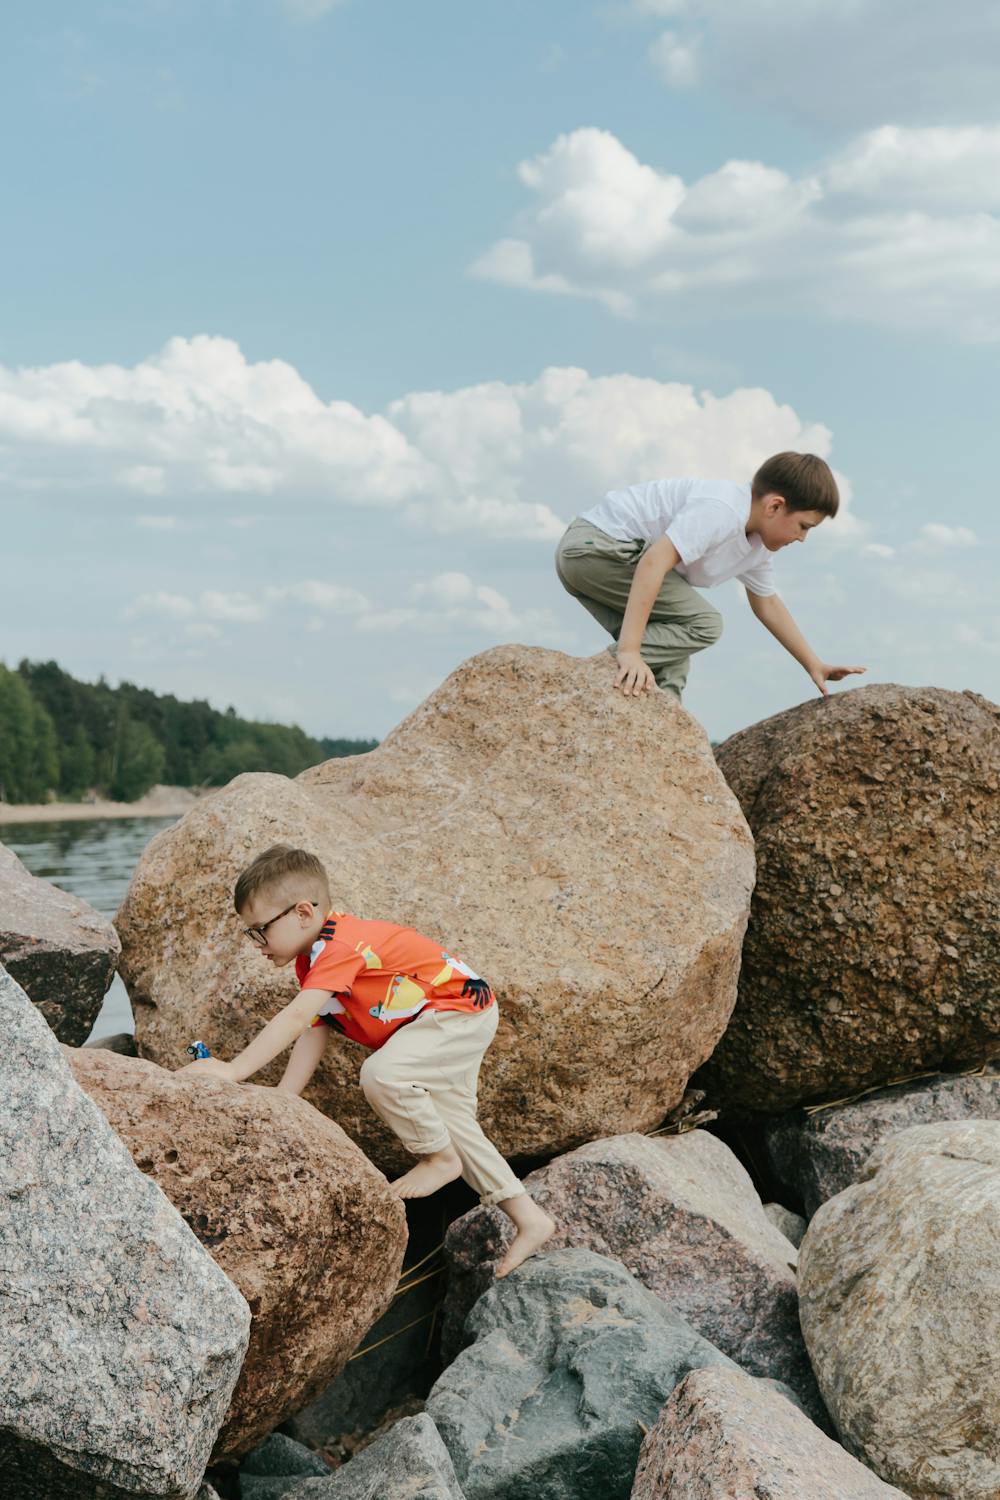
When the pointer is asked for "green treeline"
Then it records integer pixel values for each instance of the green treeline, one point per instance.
(61, 736)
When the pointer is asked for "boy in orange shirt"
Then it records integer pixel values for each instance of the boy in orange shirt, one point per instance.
(426, 1016)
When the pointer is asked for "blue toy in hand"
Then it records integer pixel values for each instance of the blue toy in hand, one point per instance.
(198, 1050)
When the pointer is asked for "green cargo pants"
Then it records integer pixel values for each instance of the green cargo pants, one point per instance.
(598, 570)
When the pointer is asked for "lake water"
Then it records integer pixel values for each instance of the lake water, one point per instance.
(93, 860)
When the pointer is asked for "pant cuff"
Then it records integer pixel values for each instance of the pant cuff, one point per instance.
(439, 1144)
(490, 1200)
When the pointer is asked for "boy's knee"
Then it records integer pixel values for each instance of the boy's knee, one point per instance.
(369, 1078)
(708, 627)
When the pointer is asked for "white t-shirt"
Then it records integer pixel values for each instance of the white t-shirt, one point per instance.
(704, 518)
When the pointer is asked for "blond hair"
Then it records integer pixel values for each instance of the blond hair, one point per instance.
(285, 866)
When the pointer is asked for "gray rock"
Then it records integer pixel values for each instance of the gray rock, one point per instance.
(120, 1338)
(60, 951)
(409, 1463)
(683, 1216)
(276, 1467)
(792, 1226)
(900, 1305)
(724, 1436)
(571, 1362)
(821, 1154)
(122, 1042)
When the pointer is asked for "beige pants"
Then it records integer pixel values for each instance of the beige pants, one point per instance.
(598, 570)
(423, 1084)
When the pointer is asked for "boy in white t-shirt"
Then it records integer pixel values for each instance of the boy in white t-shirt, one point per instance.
(632, 560)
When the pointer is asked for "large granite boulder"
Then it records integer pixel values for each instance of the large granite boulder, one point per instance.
(820, 1154)
(289, 1207)
(120, 1337)
(60, 951)
(501, 818)
(570, 1363)
(409, 1463)
(900, 1306)
(725, 1436)
(683, 1216)
(873, 950)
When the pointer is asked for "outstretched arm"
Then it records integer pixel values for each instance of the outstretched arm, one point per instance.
(653, 566)
(280, 1032)
(773, 614)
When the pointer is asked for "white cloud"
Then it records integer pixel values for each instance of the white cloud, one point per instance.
(935, 537)
(891, 230)
(675, 59)
(452, 602)
(844, 61)
(559, 442)
(441, 605)
(501, 460)
(878, 549)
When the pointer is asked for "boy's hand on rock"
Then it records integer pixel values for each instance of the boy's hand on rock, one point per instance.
(821, 674)
(634, 677)
(211, 1067)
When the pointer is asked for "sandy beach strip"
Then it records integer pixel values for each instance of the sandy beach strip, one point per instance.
(160, 802)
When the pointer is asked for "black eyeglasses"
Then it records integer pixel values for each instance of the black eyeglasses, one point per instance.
(258, 934)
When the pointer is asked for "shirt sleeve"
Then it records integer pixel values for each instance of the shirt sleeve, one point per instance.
(701, 525)
(760, 578)
(334, 969)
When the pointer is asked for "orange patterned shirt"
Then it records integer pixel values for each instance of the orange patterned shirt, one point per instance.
(379, 976)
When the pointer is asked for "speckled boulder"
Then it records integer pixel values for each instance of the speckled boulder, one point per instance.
(488, 819)
(873, 949)
(283, 1201)
(819, 1155)
(725, 1436)
(120, 1338)
(900, 1305)
(571, 1361)
(682, 1215)
(60, 951)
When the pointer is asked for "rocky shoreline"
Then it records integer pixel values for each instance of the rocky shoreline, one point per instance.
(208, 1290)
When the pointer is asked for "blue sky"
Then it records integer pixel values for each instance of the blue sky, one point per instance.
(321, 319)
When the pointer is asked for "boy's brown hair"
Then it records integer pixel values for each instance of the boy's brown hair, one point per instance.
(280, 865)
(804, 481)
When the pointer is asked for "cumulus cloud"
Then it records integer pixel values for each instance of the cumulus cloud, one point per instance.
(561, 441)
(498, 459)
(901, 227)
(842, 61)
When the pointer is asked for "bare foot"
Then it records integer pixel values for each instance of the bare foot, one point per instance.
(430, 1173)
(533, 1226)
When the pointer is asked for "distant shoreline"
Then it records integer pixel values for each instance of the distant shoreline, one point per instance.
(160, 802)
